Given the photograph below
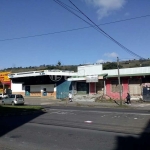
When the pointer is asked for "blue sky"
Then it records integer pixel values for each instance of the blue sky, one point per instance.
(23, 18)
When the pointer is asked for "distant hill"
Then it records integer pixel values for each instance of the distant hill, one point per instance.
(127, 64)
(106, 65)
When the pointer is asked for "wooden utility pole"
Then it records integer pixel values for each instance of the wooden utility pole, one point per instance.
(120, 87)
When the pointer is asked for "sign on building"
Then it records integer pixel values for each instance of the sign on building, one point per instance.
(92, 78)
(4, 77)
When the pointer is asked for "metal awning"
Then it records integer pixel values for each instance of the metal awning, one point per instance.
(83, 78)
(129, 75)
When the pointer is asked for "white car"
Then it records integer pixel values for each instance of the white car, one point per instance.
(13, 99)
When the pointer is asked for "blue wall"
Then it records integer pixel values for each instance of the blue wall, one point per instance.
(62, 89)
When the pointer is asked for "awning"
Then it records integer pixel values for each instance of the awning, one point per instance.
(129, 75)
(6, 82)
(83, 78)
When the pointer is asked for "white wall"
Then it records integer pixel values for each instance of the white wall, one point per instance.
(90, 70)
(38, 88)
(49, 87)
(35, 88)
(137, 70)
(17, 87)
(97, 69)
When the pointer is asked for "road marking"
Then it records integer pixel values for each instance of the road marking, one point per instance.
(88, 121)
(62, 113)
(46, 103)
(108, 112)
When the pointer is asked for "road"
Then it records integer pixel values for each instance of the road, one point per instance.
(62, 128)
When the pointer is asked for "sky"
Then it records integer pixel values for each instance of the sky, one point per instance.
(37, 32)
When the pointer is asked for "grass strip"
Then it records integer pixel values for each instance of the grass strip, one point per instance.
(16, 109)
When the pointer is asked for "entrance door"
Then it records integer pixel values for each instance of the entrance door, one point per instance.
(146, 93)
(92, 88)
(27, 90)
(82, 88)
(44, 92)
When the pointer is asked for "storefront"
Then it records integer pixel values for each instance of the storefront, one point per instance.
(5, 82)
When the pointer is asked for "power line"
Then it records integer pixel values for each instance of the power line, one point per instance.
(57, 32)
(64, 6)
(107, 35)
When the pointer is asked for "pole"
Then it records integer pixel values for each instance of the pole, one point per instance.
(120, 88)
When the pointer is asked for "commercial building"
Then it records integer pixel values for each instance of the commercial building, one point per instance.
(136, 81)
(51, 83)
(89, 79)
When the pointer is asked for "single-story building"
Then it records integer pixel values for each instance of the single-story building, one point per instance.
(136, 81)
(51, 83)
(89, 79)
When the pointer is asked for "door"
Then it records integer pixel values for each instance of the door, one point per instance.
(44, 92)
(63, 89)
(82, 88)
(92, 88)
(6, 100)
(146, 93)
(27, 90)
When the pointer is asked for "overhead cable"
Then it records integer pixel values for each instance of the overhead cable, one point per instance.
(107, 35)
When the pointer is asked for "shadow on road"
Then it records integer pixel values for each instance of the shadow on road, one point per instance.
(131, 143)
(11, 122)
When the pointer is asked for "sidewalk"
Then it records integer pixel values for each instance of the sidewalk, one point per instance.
(58, 102)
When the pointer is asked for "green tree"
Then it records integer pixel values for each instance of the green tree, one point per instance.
(59, 63)
(112, 65)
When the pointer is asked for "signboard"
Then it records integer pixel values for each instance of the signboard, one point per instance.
(4, 77)
(92, 78)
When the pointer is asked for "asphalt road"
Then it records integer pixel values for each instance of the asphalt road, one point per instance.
(76, 129)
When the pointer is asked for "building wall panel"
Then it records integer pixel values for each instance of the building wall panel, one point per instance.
(116, 95)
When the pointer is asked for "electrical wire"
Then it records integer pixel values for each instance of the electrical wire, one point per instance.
(107, 35)
(91, 25)
(70, 30)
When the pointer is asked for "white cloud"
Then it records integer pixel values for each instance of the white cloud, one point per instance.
(111, 55)
(127, 14)
(100, 61)
(106, 7)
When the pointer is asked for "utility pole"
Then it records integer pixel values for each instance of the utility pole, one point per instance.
(120, 87)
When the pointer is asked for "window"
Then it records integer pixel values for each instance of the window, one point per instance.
(114, 86)
(19, 96)
(12, 96)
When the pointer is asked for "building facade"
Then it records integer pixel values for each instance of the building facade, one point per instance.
(89, 79)
(5, 82)
(135, 81)
(51, 83)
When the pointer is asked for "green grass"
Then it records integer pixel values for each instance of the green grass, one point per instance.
(17, 109)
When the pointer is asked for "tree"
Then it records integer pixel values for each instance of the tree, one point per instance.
(112, 65)
(59, 63)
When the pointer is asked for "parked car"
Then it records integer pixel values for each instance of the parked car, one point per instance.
(13, 99)
(3, 95)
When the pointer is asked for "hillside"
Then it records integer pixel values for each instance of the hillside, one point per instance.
(106, 65)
